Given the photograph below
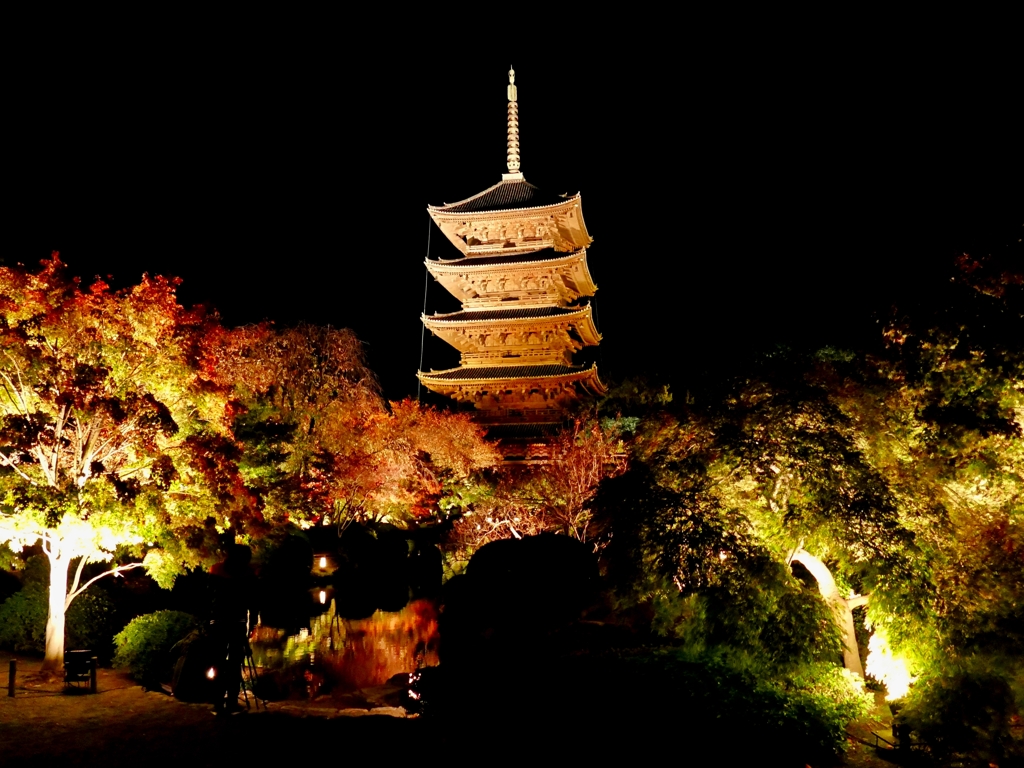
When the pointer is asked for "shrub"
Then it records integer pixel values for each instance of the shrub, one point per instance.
(962, 713)
(146, 644)
(804, 718)
(88, 623)
(669, 695)
(23, 621)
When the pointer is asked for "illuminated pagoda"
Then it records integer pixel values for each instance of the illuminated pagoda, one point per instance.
(521, 276)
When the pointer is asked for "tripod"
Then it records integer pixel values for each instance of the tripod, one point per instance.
(238, 652)
(250, 679)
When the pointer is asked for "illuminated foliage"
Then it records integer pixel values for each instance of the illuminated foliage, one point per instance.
(554, 497)
(583, 454)
(943, 421)
(114, 430)
(409, 463)
(902, 470)
(321, 445)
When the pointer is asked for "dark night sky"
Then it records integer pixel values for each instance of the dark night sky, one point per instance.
(738, 198)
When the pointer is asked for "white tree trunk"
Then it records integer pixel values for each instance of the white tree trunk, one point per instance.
(54, 658)
(840, 606)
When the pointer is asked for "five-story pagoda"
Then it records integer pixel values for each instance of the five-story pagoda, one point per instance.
(520, 278)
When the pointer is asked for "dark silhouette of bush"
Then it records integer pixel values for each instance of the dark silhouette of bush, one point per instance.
(964, 716)
(514, 597)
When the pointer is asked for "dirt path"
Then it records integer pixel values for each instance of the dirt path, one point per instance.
(124, 725)
(858, 753)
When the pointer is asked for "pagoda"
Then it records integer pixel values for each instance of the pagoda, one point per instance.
(522, 279)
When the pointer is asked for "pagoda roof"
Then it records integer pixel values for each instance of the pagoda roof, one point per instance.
(509, 194)
(512, 373)
(503, 372)
(519, 313)
(532, 257)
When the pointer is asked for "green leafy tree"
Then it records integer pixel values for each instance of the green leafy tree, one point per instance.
(941, 415)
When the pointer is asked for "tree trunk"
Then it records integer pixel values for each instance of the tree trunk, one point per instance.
(54, 658)
(840, 605)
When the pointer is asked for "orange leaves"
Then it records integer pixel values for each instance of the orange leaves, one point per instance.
(314, 410)
(451, 441)
(396, 462)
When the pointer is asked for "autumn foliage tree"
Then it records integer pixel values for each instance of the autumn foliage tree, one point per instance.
(114, 431)
(303, 392)
(322, 445)
(552, 497)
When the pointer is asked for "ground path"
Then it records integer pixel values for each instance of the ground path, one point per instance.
(124, 725)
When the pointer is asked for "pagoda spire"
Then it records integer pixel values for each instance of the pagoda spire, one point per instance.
(513, 127)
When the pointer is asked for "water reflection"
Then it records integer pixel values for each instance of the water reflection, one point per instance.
(342, 654)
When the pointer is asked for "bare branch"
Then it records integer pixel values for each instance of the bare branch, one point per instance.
(44, 464)
(112, 572)
(58, 431)
(7, 462)
(20, 388)
(9, 388)
(78, 573)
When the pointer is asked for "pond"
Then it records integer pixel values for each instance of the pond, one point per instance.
(340, 654)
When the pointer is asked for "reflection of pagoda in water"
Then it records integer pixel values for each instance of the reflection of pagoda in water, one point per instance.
(521, 275)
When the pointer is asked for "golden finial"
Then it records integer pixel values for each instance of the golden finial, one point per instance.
(513, 124)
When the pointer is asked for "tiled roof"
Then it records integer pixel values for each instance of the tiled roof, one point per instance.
(504, 314)
(505, 372)
(546, 254)
(506, 195)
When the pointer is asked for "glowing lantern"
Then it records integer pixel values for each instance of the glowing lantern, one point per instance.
(323, 562)
(323, 597)
(211, 673)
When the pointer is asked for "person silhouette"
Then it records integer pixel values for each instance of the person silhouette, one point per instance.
(233, 588)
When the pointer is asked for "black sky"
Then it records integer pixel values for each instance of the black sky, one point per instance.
(739, 198)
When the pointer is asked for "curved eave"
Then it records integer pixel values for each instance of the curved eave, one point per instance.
(587, 377)
(455, 319)
(587, 287)
(458, 266)
(506, 184)
(582, 223)
(569, 232)
(582, 319)
(439, 212)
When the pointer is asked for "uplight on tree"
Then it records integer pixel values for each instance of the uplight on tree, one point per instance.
(114, 431)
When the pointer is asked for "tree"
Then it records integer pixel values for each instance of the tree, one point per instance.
(323, 445)
(409, 463)
(941, 408)
(727, 497)
(583, 453)
(557, 495)
(304, 393)
(114, 431)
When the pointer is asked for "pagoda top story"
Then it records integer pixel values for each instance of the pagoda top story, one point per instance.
(513, 215)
